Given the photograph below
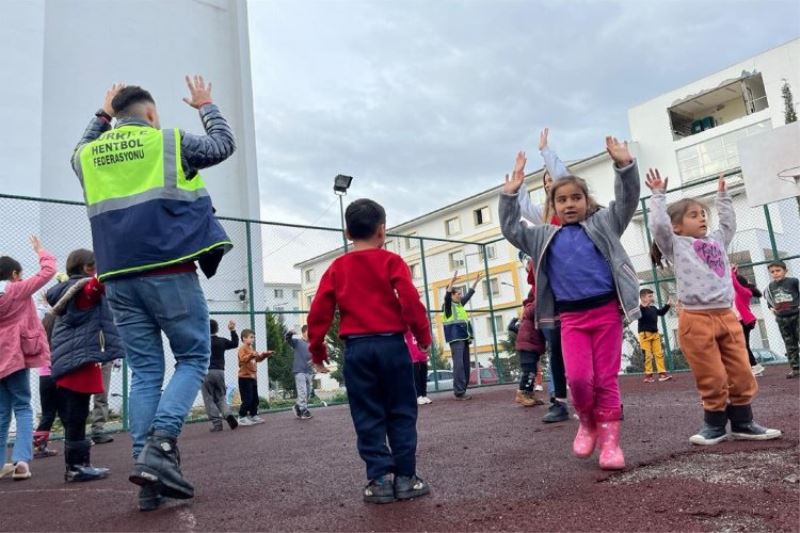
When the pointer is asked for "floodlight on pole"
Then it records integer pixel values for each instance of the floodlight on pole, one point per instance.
(340, 185)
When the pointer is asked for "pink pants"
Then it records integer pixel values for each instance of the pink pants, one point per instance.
(591, 342)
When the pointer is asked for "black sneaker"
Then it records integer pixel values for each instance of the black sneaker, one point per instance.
(159, 463)
(232, 422)
(557, 412)
(297, 412)
(709, 435)
(463, 396)
(406, 487)
(216, 428)
(752, 431)
(102, 438)
(795, 373)
(150, 498)
(380, 490)
(306, 415)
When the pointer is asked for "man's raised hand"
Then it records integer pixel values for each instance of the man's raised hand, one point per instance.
(654, 182)
(619, 151)
(110, 94)
(199, 92)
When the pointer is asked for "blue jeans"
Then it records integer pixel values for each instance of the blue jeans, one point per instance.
(143, 307)
(383, 403)
(15, 395)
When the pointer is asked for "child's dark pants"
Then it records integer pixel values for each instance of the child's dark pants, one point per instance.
(383, 403)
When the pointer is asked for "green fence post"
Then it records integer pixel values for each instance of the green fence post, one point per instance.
(771, 232)
(491, 313)
(252, 305)
(428, 307)
(124, 394)
(654, 270)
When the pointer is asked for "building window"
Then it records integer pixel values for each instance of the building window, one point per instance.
(411, 243)
(491, 251)
(456, 260)
(498, 323)
(278, 293)
(309, 275)
(492, 284)
(482, 215)
(715, 155)
(452, 226)
(416, 271)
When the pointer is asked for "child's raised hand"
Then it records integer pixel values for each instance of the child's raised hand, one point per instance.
(543, 139)
(519, 165)
(320, 368)
(36, 244)
(513, 183)
(722, 186)
(654, 182)
(619, 151)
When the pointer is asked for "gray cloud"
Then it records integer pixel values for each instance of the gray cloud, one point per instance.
(427, 102)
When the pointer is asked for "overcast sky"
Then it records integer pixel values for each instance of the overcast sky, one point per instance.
(426, 102)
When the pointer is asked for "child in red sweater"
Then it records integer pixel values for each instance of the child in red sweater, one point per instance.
(377, 303)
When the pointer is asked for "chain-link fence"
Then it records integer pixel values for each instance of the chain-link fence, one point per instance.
(292, 258)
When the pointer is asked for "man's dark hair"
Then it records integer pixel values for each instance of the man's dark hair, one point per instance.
(214, 326)
(8, 266)
(779, 264)
(363, 218)
(77, 259)
(128, 97)
(645, 292)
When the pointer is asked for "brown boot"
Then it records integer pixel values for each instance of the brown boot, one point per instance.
(525, 399)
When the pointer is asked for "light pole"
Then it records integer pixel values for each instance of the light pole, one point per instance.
(340, 185)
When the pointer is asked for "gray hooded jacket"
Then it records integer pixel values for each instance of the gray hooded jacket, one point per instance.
(604, 228)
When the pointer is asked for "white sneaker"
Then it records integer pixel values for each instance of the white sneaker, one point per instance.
(758, 370)
(246, 421)
(257, 419)
(538, 388)
(427, 400)
(421, 400)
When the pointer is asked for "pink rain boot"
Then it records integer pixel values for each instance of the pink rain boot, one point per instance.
(585, 440)
(611, 457)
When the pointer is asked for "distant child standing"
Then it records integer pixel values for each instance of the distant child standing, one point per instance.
(248, 384)
(708, 331)
(23, 345)
(84, 337)
(743, 293)
(530, 344)
(584, 275)
(419, 360)
(214, 389)
(377, 303)
(650, 338)
(783, 299)
(303, 374)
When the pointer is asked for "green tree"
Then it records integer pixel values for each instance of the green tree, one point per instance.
(788, 102)
(335, 347)
(280, 364)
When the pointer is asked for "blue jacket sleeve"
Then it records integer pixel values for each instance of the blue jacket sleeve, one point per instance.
(203, 151)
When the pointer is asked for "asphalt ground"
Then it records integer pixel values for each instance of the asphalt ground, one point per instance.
(492, 466)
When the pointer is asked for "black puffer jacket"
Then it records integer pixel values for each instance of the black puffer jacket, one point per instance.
(81, 336)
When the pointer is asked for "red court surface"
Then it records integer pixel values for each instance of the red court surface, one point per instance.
(492, 466)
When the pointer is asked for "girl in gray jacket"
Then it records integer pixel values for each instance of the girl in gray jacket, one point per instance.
(585, 276)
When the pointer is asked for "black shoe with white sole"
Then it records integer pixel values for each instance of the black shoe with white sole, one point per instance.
(159, 463)
(713, 430)
(297, 412)
(232, 422)
(744, 428)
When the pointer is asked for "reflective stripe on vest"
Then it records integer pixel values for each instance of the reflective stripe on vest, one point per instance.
(131, 165)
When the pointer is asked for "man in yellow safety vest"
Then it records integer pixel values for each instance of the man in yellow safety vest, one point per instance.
(458, 333)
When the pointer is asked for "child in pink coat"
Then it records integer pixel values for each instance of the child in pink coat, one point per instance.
(419, 359)
(23, 345)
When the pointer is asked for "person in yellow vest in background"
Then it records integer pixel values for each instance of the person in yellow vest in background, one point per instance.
(458, 333)
(152, 225)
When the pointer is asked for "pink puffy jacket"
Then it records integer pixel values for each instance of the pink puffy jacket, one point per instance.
(417, 355)
(23, 341)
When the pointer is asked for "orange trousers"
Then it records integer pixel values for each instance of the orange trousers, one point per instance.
(713, 343)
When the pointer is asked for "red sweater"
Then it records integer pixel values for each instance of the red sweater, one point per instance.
(375, 295)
